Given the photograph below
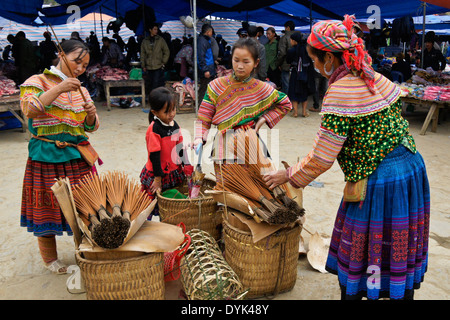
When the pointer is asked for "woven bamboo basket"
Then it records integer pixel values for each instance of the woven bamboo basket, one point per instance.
(267, 267)
(205, 274)
(200, 213)
(134, 278)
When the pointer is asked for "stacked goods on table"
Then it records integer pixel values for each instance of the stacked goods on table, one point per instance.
(107, 205)
(430, 93)
(429, 77)
(7, 86)
(107, 73)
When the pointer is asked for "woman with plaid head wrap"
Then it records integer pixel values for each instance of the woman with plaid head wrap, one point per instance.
(379, 244)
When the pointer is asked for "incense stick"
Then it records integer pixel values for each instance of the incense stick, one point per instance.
(63, 56)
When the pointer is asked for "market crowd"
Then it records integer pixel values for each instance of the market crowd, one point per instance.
(283, 57)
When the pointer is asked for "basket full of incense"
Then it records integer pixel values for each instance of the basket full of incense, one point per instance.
(244, 177)
(107, 205)
(196, 213)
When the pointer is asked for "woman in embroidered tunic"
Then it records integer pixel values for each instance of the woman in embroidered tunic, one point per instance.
(238, 101)
(379, 245)
(56, 112)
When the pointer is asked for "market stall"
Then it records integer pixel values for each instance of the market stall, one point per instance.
(105, 77)
(10, 101)
(430, 90)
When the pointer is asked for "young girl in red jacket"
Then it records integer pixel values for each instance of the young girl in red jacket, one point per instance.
(167, 164)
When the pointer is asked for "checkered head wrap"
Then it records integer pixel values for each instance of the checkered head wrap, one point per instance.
(338, 36)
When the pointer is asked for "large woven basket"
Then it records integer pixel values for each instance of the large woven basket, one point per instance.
(200, 213)
(267, 267)
(135, 278)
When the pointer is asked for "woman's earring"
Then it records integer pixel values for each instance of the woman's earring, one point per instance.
(328, 73)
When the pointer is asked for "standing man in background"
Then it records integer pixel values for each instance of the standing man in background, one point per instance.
(154, 56)
(283, 47)
(206, 63)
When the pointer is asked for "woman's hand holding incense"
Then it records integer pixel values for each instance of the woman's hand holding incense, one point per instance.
(275, 178)
(91, 111)
(70, 84)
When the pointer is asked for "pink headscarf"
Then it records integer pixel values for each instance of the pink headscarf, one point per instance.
(337, 36)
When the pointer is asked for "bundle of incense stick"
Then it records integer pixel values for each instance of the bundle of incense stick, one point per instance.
(123, 195)
(249, 149)
(238, 180)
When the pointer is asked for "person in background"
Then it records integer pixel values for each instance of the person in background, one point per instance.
(155, 54)
(132, 49)
(184, 59)
(262, 38)
(433, 57)
(26, 59)
(242, 33)
(262, 66)
(273, 72)
(283, 46)
(48, 51)
(379, 243)
(112, 56)
(75, 35)
(402, 66)
(206, 62)
(301, 82)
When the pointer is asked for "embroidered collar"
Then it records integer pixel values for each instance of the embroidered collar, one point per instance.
(246, 80)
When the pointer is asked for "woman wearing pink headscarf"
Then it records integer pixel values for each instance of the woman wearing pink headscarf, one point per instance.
(379, 245)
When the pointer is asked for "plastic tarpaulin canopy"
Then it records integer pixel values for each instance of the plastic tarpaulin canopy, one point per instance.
(274, 12)
(22, 11)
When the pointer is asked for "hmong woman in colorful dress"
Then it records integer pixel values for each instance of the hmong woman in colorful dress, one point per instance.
(238, 101)
(56, 112)
(379, 245)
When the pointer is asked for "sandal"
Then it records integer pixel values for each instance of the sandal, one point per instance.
(57, 267)
(294, 115)
(306, 115)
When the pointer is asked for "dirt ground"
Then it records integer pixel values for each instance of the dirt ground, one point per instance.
(120, 142)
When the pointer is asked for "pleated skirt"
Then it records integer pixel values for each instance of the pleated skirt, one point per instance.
(40, 211)
(379, 248)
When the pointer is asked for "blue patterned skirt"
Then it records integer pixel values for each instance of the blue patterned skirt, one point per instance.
(379, 248)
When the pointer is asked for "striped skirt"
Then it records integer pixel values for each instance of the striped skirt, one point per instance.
(40, 211)
(380, 249)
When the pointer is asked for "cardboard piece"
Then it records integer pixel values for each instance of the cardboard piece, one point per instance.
(234, 201)
(260, 230)
(150, 237)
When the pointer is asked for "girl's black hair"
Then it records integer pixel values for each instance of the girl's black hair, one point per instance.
(160, 98)
(251, 45)
(321, 53)
(69, 46)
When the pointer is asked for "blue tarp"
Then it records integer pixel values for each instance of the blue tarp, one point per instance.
(274, 12)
